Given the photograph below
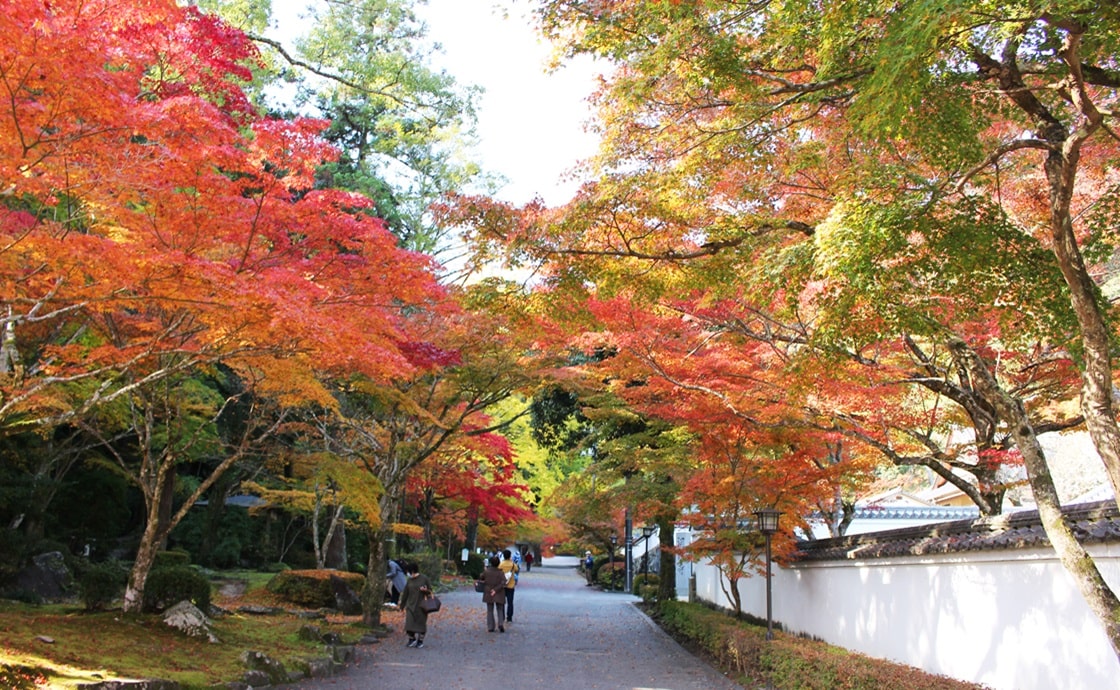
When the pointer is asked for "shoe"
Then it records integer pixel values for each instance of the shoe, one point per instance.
(411, 643)
(501, 629)
(420, 644)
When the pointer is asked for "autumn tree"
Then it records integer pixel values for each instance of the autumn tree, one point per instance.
(392, 428)
(156, 227)
(997, 117)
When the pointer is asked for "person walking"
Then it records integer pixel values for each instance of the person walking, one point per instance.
(529, 562)
(494, 593)
(415, 590)
(511, 571)
(397, 581)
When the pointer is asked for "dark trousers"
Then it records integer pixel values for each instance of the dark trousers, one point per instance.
(509, 603)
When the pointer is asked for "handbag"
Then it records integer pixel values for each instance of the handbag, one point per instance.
(430, 604)
(479, 586)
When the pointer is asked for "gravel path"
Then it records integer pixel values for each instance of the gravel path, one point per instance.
(564, 635)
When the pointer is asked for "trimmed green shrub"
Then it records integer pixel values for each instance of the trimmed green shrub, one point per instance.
(175, 558)
(646, 586)
(430, 563)
(612, 576)
(473, 567)
(168, 586)
(788, 663)
(312, 588)
(101, 583)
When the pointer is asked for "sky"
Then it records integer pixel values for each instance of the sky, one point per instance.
(530, 123)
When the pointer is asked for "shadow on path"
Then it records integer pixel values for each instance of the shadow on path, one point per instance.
(564, 635)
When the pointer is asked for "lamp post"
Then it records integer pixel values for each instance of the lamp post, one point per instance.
(647, 532)
(768, 524)
(614, 545)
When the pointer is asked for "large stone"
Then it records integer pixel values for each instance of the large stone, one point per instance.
(47, 577)
(346, 600)
(187, 618)
(258, 661)
(342, 653)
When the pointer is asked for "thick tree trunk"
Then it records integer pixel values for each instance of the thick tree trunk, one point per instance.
(667, 582)
(373, 596)
(1073, 556)
(336, 547)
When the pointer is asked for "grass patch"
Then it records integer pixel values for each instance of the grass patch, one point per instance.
(107, 645)
(741, 650)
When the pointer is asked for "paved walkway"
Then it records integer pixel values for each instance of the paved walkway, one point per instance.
(564, 635)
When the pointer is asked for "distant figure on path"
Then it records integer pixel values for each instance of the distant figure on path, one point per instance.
(397, 581)
(511, 570)
(415, 618)
(588, 565)
(494, 593)
(529, 561)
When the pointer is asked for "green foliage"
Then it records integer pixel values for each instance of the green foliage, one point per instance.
(312, 588)
(429, 562)
(646, 585)
(101, 583)
(788, 663)
(13, 544)
(167, 586)
(174, 558)
(473, 567)
(611, 577)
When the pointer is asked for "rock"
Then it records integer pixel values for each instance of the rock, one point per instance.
(311, 615)
(312, 633)
(256, 679)
(45, 639)
(256, 610)
(47, 577)
(342, 653)
(331, 638)
(185, 617)
(273, 670)
(346, 600)
(320, 668)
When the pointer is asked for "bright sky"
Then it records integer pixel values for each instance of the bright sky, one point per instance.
(530, 123)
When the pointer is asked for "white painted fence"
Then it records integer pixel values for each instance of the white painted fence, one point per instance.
(1011, 618)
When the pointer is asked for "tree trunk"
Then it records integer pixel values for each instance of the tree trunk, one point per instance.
(336, 546)
(145, 556)
(1073, 556)
(373, 596)
(667, 582)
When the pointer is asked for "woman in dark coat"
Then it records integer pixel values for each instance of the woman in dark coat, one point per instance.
(494, 594)
(415, 618)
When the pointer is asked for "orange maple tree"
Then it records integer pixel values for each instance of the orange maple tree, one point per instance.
(154, 223)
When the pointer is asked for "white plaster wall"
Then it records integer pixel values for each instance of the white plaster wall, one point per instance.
(1012, 620)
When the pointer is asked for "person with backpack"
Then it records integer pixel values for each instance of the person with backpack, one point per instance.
(511, 571)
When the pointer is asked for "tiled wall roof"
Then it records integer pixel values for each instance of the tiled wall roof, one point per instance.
(1092, 522)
